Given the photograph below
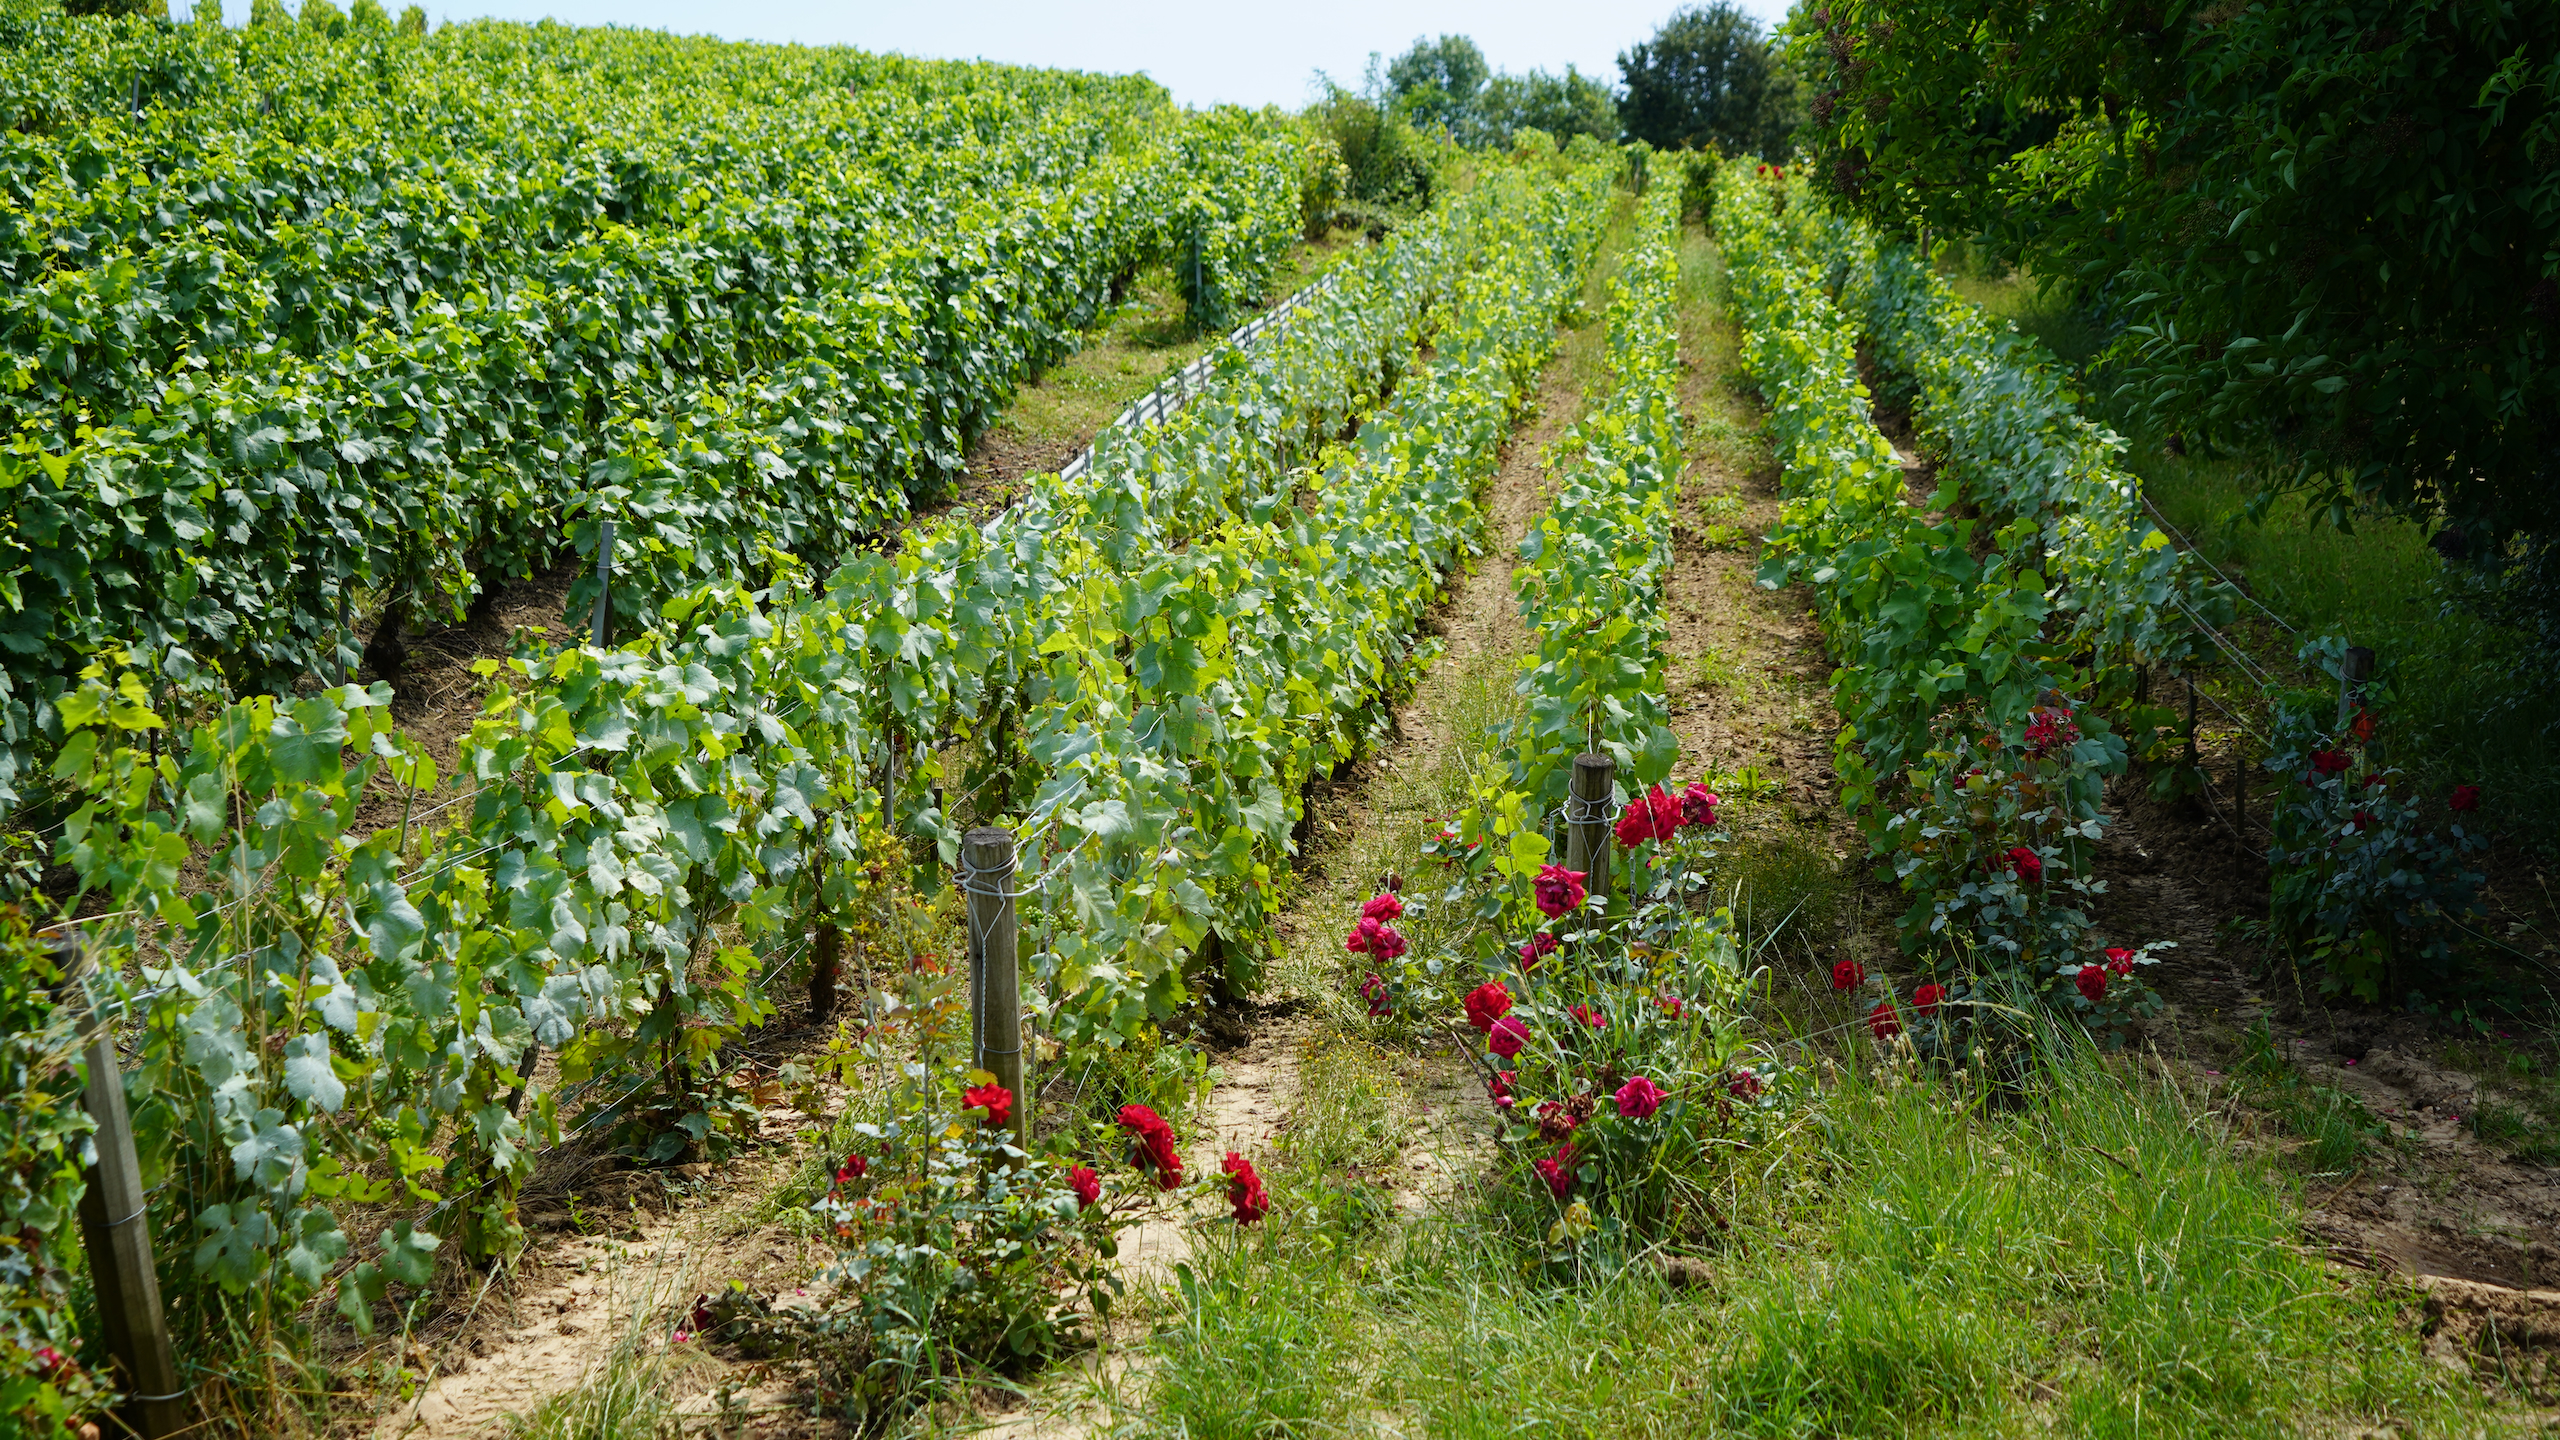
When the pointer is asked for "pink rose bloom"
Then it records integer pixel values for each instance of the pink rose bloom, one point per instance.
(1382, 907)
(1507, 1036)
(1639, 1098)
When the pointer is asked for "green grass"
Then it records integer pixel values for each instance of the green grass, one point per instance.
(2338, 1133)
(2097, 1261)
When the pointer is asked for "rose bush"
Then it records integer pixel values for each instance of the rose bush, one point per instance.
(2369, 890)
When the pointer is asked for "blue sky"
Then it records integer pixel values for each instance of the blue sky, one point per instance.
(1252, 54)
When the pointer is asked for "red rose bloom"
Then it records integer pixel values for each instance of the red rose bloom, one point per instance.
(1639, 1098)
(1926, 998)
(1698, 806)
(1487, 1003)
(855, 1167)
(49, 1362)
(2092, 981)
(2362, 819)
(1503, 1080)
(1588, 1016)
(1507, 1036)
(2329, 762)
(1383, 907)
(1375, 937)
(1635, 826)
(2466, 798)
(1557, 1172)
(1671, 1005)
(1087, 1183)
(2051, 730)
(1156, 1150)
(1666, 812)
(2028, 865)
(1536, 948)
(1244, 1190)
(1560, 890)
(2119, 961)
(2362, 726)
(996, 1100)
(1848, 975)
(1743, 1085)
(1883, 1022)
(1374, 990)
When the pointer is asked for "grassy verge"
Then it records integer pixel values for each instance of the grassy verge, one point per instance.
(2094, 1259)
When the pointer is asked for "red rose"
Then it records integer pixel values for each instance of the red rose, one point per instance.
(2362, 819)
(1557, 1172)
(49, 1362)
(2466, 798)
(996, 1100)
(1635, 826)
(2119, 962)
(1848, 975)
(2329, 762)
(2051, 730)
(2092, 981)
(1535, 948)
(1503, 1080)
(1926, 998)
(1156, 1150)
(1588, 1016)
(1374, 990)
(1639, 1098)
(1383, 907)
(1560, 890)
(1375, 937)
(1666, 812)
(1698, 806)
(2362, 726)
(1487, 1003)
(1743, 1085)
(1507, 1036)
(1244, 1190)
(1883, 1022)
(1671, 1005)
(1087, 1183)
(2028, 865)
(855, 1167)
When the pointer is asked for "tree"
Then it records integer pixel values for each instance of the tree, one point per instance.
(1562, 105)
(1437, 81)
(1709, 80)
(2329, 230)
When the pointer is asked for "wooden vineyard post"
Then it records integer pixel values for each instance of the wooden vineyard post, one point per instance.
(995, 958)
(827, 949)
(604, 585)
(2240, 789)
(1586, 819)
(115, 1230)
(2357, 668)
